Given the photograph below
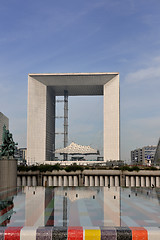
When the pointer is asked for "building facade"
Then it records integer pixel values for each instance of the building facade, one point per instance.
(157, 154)
(3, 121)
(144, 155)
(42, 92)
(21, 156)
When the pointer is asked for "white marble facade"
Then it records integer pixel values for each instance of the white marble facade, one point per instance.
(42, 90)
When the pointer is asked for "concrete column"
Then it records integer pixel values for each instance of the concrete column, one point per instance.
(132, 181)
(153, 183)
(137, 181)
(29, 181)
(101, 181)
(50, 181)
(127, 181)
(147, 182)
(157, 182)
(106, 180)
(45, 181)
(117, 181)
(91, 181)
(143, 184)
(23, 181)
(65, 184)
(19, 182)
(111, 181)
(96, 181)
(55, 182)
(86, 181)
(76, 181)
(60, 182)
(111, 119)
(36, 129)
(70, 181)
(34, 181)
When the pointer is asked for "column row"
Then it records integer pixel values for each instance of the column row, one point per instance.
(142, 181)
(27, 181)
(112, 181)
(90, 180)
(61, 181)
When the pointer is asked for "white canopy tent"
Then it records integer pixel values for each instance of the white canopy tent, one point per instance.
(76, 149)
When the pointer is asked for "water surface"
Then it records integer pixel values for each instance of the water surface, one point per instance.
(80, 206)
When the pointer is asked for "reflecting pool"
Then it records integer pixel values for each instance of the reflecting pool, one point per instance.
(80, 206)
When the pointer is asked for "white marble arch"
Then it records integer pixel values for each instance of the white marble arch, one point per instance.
(42, 90)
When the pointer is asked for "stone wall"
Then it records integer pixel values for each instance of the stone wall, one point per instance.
(8, 173)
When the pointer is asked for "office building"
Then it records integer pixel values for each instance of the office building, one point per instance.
(143, 156)
(157, 154)
(21, 155)
(3, 121)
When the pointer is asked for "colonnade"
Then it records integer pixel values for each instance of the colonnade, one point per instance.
(27, 181)
(101, 181)
(142, 181)
(61, 180)
(129, 181)
(55, 181)
(89, 180)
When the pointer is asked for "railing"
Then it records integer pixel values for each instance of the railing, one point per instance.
(107, 178)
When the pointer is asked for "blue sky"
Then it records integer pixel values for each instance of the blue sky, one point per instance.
(84, 36)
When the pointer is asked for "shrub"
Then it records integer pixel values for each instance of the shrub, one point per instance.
(125, 168)
(130, 169)
(135, 168)
(150, 168)
(41, 168)
(22, 168)
(50, 168)
(73, 168)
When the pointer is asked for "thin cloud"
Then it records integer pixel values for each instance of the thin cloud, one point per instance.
(150, 122)
(151, 73)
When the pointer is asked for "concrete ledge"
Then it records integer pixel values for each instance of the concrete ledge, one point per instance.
(80, 233)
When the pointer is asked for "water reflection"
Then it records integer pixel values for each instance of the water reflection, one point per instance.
(86, 206)
(80, 206)
(6, 205)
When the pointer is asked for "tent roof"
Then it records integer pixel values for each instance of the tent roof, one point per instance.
(76, 149)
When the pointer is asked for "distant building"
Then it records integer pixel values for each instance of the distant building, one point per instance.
(144, 155)
(3, 121)
(157, 154)
(21, 155)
